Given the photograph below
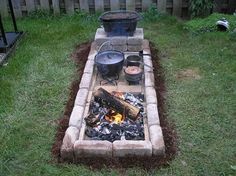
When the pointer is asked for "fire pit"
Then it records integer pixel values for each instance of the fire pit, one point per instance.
(109, 117)
(115, 120)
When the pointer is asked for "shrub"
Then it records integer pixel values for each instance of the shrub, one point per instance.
(200, 8)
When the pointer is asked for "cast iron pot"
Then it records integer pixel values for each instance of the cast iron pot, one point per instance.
(109, 62)
(133, 60)
(133, 74)
(120, 23)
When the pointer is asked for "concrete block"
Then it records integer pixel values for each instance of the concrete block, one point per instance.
(152, 115)
(146, 51)
(135, 48)
(139, 33)
(92, 55)
(86, 81)
(148, 61)
(76, 116)
(100, 33)
(156, 137)
(132, 148)
(151, 97)
(119, 40)
(81, 97)
(83, 125)
(146, 129)
(135, 41)
(89, 66)
(67, 148)
(106, 47)
(149, 79)
(121, 48)
(87, 149)
(145, 44)
(100, 41)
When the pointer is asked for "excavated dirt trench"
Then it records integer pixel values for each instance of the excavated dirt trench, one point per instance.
(170, 136)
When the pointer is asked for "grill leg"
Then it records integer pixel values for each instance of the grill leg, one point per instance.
(2, 31)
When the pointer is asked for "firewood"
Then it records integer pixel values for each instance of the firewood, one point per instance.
(119, 105)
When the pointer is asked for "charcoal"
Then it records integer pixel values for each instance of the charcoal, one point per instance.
(98, 128)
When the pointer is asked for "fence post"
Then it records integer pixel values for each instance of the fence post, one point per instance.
(17, 8)
(56, 7)
(84, 5)
(70, 7)
(115, 4)
(30, 5)
(3, 8)
(44, 4)
(177, 8)
(99, 5)
(146, 4)
(161, 5)
(130, 4)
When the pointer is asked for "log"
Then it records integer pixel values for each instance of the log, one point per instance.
(119, 105)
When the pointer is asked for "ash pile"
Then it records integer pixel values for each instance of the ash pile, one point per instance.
(115, 116)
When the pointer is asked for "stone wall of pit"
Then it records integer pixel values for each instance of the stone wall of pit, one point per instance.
(74, 144)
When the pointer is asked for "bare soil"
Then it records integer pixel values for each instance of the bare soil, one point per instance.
(147, 163)
(188, 74)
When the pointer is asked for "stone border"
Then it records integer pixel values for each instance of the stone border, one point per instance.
(74, 145)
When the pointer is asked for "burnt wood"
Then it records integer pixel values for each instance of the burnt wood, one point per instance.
(119, 105)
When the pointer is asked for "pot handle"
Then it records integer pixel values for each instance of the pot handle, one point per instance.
(103, 44)
(143, 64)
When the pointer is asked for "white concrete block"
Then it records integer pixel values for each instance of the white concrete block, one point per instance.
(148, 61)
(86, 80)
(152, 115)
(89, 67)
(149, 79)
(131, 148)
(76, 116)
(146, 44)
(67, 148)
(135, 41)
(156, 136)
(89, 148)
(81, 97)
(151, 97)
(135, 48)
(119, 40)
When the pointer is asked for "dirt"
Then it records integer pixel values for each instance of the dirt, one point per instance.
(168, 128)
(188, 74)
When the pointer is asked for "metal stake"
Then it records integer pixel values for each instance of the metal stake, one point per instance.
(2, 31)
(12, 15)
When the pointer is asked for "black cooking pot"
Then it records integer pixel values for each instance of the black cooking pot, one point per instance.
(120, 23)
(109, 62)
(133, 77)
(133, 60)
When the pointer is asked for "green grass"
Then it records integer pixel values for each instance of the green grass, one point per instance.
(34, 89)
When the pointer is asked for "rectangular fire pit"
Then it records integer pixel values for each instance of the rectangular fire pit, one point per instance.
(114, 119)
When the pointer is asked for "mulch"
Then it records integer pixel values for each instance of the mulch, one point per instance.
(147, 163)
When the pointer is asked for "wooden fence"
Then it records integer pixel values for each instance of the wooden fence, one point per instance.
(175, 7)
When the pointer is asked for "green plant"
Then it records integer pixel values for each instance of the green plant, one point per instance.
(200, 8)
(151, 14)
(203, 25)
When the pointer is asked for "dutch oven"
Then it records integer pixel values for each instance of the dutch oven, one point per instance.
(109, 62)
(135, 60)
(133, 74)
(120, 23)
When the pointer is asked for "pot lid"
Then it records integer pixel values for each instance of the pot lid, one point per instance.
(109, 57)
(133, 70)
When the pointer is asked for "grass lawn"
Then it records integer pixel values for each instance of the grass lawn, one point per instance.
(200, 74)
